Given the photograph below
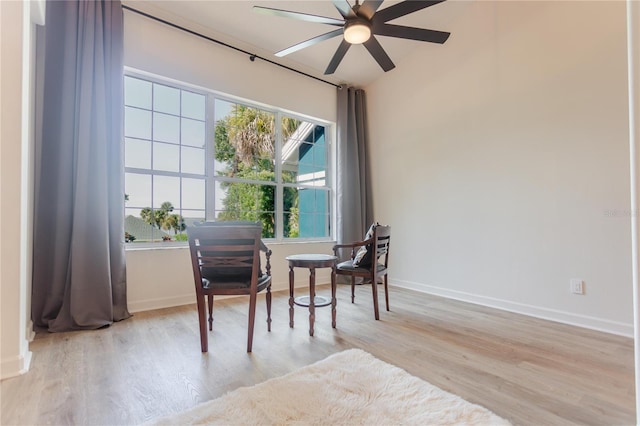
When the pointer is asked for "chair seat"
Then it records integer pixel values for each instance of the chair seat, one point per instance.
(239, 283)
(348, 266)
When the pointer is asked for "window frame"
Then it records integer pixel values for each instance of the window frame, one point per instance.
(210, 179)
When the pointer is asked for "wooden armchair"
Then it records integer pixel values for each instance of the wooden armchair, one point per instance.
(369, 261)
(225, 257)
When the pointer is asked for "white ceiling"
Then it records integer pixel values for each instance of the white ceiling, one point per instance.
(235, 22)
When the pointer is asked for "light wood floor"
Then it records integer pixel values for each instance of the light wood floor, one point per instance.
(530, 371)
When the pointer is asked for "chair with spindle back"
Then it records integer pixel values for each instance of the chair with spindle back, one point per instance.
(225, 257)
(370, 262)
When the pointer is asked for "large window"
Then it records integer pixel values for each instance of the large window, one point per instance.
(192, 155)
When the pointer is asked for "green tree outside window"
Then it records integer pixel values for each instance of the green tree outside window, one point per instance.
(245, 142)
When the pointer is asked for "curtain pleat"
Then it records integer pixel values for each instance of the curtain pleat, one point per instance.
(354, 201)
(79, 275)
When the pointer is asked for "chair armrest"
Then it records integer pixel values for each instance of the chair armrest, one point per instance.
(268, 265)
(352, 246)
(267, 252)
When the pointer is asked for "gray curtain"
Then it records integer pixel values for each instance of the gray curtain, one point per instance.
(354, 202)
(79, 277)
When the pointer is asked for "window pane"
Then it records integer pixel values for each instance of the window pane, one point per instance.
(307, 155)
(192, 133)
(192, 160)
(312, 200)
(166, 128)
(192, 216)
(222, 109)
(132, 212)
(137, 92)
(295, 130)
(312, 176)
(193, 194)
(193, 105)
(304, 174)
(304, 153)
(222, 168)
(137, 225)
(166, 99)
(245, 201)
(137, 153)
(138, 189)
(313, 225)
(245, 143)
(224, 152)
(173, 225)
(137, 123)
(166, 189)
(139, 230)
(166, 157)
(306, 212)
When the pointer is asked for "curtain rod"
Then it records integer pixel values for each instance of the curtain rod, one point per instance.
(252, 56)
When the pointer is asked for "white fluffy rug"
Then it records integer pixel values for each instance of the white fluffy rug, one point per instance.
(347, 388)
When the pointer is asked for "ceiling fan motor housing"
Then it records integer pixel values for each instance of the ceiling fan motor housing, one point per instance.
(357, 30)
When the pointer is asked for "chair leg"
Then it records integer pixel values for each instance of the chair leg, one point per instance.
(210, 303)
(204, 342)
(269, 308)
(386, 291)
(353, 288)
(252, 320)
(374, 288)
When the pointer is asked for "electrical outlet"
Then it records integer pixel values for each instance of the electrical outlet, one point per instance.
(576, 286)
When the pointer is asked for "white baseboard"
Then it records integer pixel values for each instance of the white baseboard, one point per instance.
(30, 333)
(15, 366)
(584, 321)
(160, 303)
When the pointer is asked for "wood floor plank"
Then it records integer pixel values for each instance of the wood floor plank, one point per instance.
(528, 370)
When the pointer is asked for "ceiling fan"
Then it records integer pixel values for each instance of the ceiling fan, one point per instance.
(360, 25)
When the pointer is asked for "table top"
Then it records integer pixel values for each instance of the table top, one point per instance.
(312, 260)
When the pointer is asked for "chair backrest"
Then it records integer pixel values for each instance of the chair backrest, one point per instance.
(381, 239)
(227, 253)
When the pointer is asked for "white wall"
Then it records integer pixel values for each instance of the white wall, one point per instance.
(516, 138)
(16, 140)
(163, 277)
(633, 55)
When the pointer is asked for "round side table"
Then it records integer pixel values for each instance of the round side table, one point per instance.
(312, 261)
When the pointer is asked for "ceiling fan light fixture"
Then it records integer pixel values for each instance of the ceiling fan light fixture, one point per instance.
(357, 31)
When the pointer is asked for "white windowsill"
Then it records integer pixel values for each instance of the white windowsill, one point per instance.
(183, 244)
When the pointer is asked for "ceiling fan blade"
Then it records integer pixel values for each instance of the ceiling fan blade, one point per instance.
(310, 42)
(344, 8)
(337, 57)
(297, 15)
(369, 7)
(401, 9)
(411, 33)
(378, 53)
